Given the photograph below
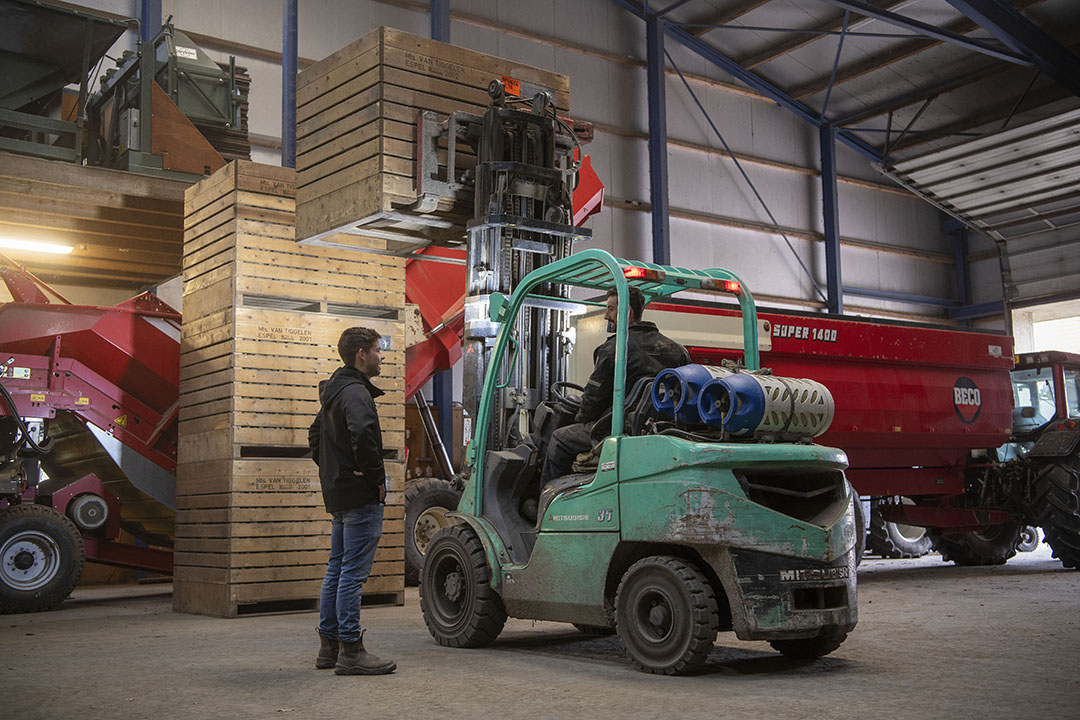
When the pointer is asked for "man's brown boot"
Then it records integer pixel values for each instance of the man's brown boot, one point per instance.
(353, 659)
(328, 652)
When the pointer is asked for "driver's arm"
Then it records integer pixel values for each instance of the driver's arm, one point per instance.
(596, 399)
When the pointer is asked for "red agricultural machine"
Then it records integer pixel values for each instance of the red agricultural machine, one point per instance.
(88, 419)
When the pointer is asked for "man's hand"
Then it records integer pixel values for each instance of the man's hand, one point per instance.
(382, 487)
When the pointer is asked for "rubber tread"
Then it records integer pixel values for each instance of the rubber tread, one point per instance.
(703, 611)
(1057, 507)
(487, 616)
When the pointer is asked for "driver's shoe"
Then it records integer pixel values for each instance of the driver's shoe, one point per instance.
(353, 659)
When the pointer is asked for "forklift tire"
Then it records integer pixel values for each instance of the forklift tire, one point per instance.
(992, 546)
(41, 558)
(666, 615)
(809, 648)
(460, 607)
(427, 500)
(1057, 503)
(891, 540)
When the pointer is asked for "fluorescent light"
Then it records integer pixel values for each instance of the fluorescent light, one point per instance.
(31, 246)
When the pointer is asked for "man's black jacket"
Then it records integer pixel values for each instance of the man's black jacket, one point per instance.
(345, 438)
(647, 353)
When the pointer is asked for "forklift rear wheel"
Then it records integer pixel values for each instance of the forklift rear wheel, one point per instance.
(809, 648)
(427, 500)
(460, 607)
(41, 558)
(666, 616)
(1029, 539)
(992, 546)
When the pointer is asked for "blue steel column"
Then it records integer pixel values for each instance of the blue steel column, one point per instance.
(830, 211)
(288, 83)
(440, 21)
(149, 19)
(442, 384)
(658, 173)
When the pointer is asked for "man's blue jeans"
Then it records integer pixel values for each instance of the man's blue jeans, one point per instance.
(353, 540)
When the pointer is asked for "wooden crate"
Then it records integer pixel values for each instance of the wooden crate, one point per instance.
(356, 125)
(262, 316)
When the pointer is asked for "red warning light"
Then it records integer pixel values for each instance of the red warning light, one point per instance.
(732, 286)
(633, 273)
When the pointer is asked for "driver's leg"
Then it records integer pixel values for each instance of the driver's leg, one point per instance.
(566, 444)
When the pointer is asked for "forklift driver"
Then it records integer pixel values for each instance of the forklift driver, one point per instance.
(647, 353)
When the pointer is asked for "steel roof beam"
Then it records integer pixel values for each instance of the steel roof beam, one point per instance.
(890, 56)
(919, 95)
(1023, 36)
(833, 24)
(930, 31)
(725, 17)
(759, 84)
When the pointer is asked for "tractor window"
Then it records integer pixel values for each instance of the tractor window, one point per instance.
(1034, 389)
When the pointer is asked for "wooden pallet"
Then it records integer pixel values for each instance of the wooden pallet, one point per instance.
(356, 126)
(262, 316)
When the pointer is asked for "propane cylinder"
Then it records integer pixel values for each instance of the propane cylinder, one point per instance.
(675, 390)
(748, 404)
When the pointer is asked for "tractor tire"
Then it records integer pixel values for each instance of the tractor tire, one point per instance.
(666, 615)
(892, 540)
(41, 558)
(1057, 506)
(460, 607)
(809, 648)
(993, 546)
(427, 500)
(594, 630)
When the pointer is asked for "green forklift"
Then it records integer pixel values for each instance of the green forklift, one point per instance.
(673, 532)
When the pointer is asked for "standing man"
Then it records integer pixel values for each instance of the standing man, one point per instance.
(647, 353)
(346, 444)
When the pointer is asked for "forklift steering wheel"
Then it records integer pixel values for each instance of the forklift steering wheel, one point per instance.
(558, 391)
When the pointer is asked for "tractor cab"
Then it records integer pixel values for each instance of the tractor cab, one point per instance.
(705, 507)
(1046, 394)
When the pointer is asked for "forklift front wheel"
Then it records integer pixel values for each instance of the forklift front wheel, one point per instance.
(666, 616)
(460, 607)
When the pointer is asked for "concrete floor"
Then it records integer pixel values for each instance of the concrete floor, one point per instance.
(933, 641)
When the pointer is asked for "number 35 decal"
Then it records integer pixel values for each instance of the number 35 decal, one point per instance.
(603, 516)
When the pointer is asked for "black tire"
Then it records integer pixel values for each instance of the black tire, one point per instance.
(594, 630)
(993, 546)
(427, 500)
(891, 540)
(666, 616)
(460, 607)
(41, 558)
(1057, 505)
(809, 648)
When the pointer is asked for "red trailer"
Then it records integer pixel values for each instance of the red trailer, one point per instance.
(933, 430)
(87, 438)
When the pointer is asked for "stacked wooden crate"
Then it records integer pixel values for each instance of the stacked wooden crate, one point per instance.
(356, 132)
(262, 316)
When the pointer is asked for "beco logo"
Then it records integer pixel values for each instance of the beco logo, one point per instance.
(967, 400)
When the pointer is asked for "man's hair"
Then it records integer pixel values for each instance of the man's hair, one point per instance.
(637, 301)
(353, 340)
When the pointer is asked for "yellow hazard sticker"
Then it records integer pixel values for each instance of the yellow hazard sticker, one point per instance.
(83, 401)
(36, 397)
(121, 421)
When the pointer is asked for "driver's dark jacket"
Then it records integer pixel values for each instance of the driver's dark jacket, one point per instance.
(647, 353)
(346, 439)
